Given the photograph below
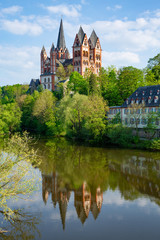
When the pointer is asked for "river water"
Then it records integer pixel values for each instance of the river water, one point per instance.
(91, 193)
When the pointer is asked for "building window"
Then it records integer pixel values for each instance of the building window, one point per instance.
(155, 99)
(158, 92)
(125, 111)
(137, 121)
(132, 101)
(48, 79)
(149, 100)
(44, 86)
(157, 122)
(45, 80)
(136, 94)
(143, 121)
(142, 100)
(143, 93)
(138, 111)
(49, 86)
(132, 121)
(110, 111)
(126, 121)
(150, 92)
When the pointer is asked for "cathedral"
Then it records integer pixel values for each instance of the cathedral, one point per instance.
(87, 54)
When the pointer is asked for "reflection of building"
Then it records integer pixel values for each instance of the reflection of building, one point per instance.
(141, 174)
(96, 202)
(84, 200)
(50, 185)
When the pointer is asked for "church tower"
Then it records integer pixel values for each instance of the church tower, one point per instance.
(95, 53)
(86, 53)
(49, 65)
(81, 52)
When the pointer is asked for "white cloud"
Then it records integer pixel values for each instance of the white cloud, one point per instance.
(21, 27)
(11, 10)
(66, 10)
(19, 64)
(116, 7)
(120, 59)
(84, 2)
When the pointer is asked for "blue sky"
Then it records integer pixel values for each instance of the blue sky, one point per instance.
(129, 32)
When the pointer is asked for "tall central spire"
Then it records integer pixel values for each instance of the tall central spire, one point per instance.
(61, 40)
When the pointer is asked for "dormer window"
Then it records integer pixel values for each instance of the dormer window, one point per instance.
(132, 101)
(150, 92)
(155, 99)
(158, 91)
(143, 93)
(143, 100)
(136, 94)
(127, 101)
(149, 100)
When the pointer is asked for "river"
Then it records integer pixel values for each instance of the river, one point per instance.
(91, 193)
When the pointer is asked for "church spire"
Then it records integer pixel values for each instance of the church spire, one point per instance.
(61, 40)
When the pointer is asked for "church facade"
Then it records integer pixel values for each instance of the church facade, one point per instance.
(87, 54)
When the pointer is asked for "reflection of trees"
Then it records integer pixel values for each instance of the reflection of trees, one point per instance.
(84, 170)
(21, 225)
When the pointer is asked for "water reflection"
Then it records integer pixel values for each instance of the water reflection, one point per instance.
(84, 200)
(89, 172)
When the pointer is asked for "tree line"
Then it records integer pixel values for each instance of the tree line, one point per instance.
(78, 108)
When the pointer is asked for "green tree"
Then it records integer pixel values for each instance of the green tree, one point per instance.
(94, 87)
(44, 111)
(10, 116)
(16, 171)
(83, 116)
(61, 73)
(77, 84)
(129, 80)
(155, 61)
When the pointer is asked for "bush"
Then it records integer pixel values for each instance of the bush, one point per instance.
(120, 135)
(155, 144)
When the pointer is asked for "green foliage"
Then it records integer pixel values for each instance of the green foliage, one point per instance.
(16, 171)
(94, 88)
(11, 94)
(43, 110)
(109, 86)
(40, 88)
(120, 135)
(154, 61)
(155, 144)
(10, 118)
(77, 84)
(28, 120)
(61, 73)
(129, 80)
(116, 119)
(83, 116)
